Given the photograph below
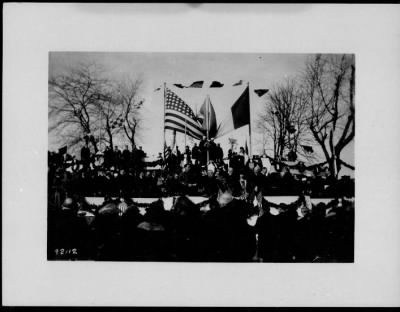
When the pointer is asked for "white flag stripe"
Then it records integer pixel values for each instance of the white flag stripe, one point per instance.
(173, 125)
(189, 121)
(181, 130)
(178, 122)
(180, 118)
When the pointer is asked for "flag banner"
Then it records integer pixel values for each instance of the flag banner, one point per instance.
(209, 124)
(145, 201)
(117, 123)
(239, 117)
(180, 117)
(246, 148)
(241, 110)
(197, 84)
(239, 83)
(158, 89)
(216, 84)
(178, 85)
(261, 92)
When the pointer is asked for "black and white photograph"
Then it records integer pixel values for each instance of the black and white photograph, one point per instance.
(201, 157)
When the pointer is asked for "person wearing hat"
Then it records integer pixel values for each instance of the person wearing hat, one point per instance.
(153, 236)
(85, 155)
(106, 228)
(227, 236)
(68, 232)
(303, 240)
(125, 158)
(208, 183)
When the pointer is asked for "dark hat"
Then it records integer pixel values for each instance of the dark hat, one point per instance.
(68, 204)
(109, 209)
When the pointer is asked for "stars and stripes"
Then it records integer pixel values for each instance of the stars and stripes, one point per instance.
(180, 117)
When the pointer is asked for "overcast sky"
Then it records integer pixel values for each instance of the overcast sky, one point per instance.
(261, 71)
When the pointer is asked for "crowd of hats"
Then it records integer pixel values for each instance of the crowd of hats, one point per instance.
(221, 229)
(181, 174)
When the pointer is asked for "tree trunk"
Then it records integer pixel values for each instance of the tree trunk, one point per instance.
(133, 143)
(93, 142)
(334, 166)
(110, 138)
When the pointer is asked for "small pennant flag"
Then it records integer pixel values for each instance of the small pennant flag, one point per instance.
(240, 82)
(178, 85)
(216, 84)
(158, 89)
(197, 84)
(239, 115)
(261, 92)
(117, 123)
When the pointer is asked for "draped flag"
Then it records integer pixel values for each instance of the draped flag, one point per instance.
(197, 84)
(216, 84)
(239, 83)
(180, 117)
(260, 92)
(209, 123)
(239, 115)
(178, 85)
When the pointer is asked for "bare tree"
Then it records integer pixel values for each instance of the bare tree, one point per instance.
(73, 99)
(328, 86)
(127, 96)
(108, 112)
(284, 119)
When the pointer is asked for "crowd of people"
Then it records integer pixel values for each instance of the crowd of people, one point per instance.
(222, 229)
(234, 224)
(126, 173)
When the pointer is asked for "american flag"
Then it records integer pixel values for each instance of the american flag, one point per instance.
(179, 116)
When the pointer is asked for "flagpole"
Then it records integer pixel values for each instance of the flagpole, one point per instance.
(164, 143)
(250, 147)
(207, 125)
(100, 132)
(184, 148)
